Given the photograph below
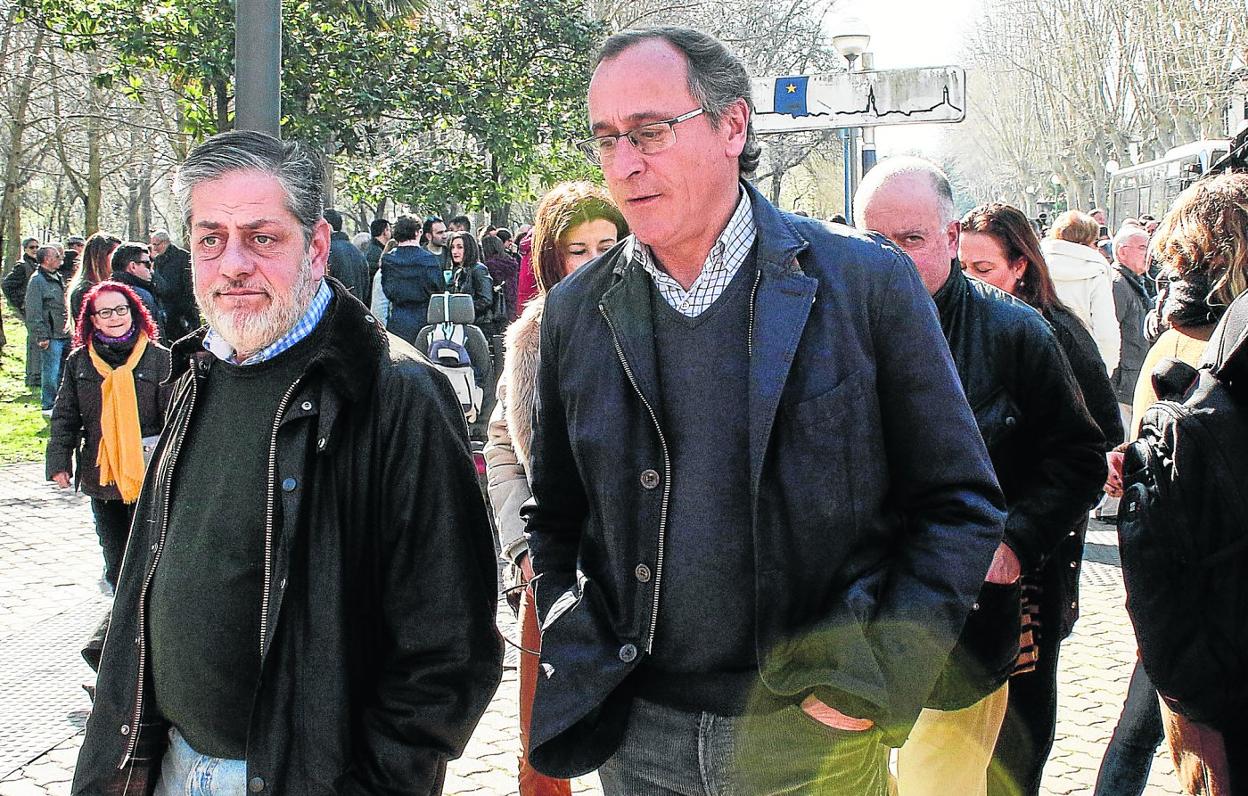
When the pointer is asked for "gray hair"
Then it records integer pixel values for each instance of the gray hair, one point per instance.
(904, 165)
(161, 235)
(45, 250)
(1126, 232)
(292, 164)
(717, 79)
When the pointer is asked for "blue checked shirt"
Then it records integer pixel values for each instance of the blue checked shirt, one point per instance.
(302, 328)
(722, 263)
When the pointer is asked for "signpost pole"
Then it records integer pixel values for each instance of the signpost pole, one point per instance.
(867, 62)
(258, 66)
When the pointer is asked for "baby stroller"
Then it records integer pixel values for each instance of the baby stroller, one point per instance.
(458, 349)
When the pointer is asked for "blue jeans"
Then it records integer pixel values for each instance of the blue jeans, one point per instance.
(185, 772)
(670, 752)
(50, 362)
(1129, 756)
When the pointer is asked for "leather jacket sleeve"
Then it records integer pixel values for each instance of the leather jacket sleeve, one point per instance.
(1066, 458)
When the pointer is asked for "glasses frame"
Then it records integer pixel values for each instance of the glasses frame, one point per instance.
(123, 309)
(589, 147)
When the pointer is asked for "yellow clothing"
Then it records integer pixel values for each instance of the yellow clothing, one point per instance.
(949, 751)
(1186, 344)
(121, 442)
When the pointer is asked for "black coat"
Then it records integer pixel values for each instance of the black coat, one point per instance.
(1089, 369)
(75, 430)
(175, 289)
(409, 276)
(347, 265)
(380, 652)
(857, 538)
(14, 284)
(1048, 453)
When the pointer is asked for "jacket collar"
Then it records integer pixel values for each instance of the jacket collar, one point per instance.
(348, 361)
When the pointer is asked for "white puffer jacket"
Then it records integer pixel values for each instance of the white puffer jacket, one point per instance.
(1083, 282)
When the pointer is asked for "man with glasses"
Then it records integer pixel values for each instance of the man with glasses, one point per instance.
(47, 321)
(132, 266)
(762, 510)
(14, 287)
(174, 289)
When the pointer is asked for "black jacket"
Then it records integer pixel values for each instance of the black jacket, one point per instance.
(14, 284)
(476, 282)
(409, 276)
(1132, 304)
(75, 428)
(858, 540)
(1048, 453)
(175, 290)
(1089, 369)
(380, 653)
(347, 265)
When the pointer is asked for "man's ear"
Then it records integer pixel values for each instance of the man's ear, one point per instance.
(318, 248)
(953, 234)
(734, 125)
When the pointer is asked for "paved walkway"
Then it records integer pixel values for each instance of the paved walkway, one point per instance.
(50, 601)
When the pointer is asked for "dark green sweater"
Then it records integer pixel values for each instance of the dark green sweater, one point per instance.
(204, 618)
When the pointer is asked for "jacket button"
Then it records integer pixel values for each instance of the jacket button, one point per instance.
(289, 485)
(255, 784)
(1073, 606)
(307, 406)
(370, 319)
(643, 573)
(1010, 422)
(125, 729)
(649, 479)
(1074, 564)
(974, 606)
(628, 653)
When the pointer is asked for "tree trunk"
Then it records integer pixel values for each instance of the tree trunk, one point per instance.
(11, 200)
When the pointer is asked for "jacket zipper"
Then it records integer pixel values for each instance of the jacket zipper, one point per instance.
(667, 481)
(147, 583)
(268, 515)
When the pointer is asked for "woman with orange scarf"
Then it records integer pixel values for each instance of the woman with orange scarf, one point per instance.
(111, 400)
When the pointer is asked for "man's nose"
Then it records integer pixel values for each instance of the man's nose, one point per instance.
(236, 261)
(627, 161)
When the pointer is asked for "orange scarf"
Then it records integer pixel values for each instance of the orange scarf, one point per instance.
(121, 442)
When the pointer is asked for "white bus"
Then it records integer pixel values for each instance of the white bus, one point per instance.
(1150, 188)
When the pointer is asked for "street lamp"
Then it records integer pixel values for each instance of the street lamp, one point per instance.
(851, 42)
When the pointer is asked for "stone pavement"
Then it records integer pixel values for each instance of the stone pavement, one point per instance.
(50, 601)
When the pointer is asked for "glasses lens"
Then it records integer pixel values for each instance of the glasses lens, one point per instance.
(593, 150)
(109, 312)
(653, 138)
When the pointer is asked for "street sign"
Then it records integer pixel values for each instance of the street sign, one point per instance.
(933, 94)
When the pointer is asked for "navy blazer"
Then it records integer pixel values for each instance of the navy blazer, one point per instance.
(874, 508)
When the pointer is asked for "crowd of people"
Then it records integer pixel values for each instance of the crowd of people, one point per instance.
(777, 496)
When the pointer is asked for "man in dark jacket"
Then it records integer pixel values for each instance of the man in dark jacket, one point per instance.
(1048, 454)
(74, 246)
(410, 274)
(1132, 303)
(293, 614)
(346, 262)
(174, 286)
(378, 236)
(47, 320)
(748, 571)
(132, 265)
(14, 286)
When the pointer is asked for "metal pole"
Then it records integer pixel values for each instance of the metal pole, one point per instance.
(867, 62)
(847, 154)
(258, 66)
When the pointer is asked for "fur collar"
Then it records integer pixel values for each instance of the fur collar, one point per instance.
(520, 376)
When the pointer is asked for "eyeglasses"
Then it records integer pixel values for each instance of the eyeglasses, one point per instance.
(649, 139)
(32, 247)
(109, 312)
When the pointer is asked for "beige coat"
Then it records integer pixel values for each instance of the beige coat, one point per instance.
(511, 431)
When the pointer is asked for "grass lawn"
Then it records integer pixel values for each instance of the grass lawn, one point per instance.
(23, 431)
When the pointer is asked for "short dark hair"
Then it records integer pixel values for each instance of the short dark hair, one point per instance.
(406, 228)
(717, 79)
(377, 227)
(127, 253)
(334, 218)
(464, 221)
(429, 222)
(503, 234)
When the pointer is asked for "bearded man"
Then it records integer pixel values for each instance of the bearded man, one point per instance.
(291, 616)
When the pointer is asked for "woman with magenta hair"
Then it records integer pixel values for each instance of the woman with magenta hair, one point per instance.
(111, 399)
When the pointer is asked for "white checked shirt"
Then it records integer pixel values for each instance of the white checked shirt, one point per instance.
(722, 263)
(303, 327)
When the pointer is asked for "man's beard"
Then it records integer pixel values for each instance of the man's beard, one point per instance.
(251, 331)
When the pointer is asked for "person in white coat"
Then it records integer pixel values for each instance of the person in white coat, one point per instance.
(1083, 281)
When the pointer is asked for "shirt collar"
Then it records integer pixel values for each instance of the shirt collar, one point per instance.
(727, 254)
(222, 350)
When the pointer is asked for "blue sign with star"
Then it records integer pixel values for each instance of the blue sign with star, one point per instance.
(791, 96)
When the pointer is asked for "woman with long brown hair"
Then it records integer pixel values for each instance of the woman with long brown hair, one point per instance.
(576, 222)
(94, 267)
